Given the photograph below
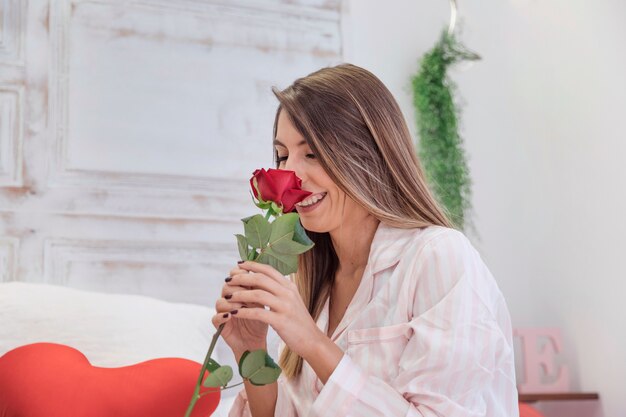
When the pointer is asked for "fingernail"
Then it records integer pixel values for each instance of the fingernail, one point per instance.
(225, 315)
(228, 279)
(240, 262)
(228, 296)
(233, 312)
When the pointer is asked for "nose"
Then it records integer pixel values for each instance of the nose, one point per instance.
(292, 164)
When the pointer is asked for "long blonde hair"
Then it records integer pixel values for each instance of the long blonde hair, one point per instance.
(355, 128)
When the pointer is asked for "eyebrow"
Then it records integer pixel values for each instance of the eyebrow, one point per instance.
(277, 142)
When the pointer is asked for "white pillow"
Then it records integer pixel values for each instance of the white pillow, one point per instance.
(112, 330)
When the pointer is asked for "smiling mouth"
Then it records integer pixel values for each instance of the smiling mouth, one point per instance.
(311, 200)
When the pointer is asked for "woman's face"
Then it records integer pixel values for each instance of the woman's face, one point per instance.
(294, 154)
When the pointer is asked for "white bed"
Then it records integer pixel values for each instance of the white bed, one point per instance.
(110, 329)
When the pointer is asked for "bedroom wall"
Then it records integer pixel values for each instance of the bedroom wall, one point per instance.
(542, 122)
(129, 129)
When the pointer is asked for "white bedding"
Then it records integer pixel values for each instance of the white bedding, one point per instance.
(110, 329)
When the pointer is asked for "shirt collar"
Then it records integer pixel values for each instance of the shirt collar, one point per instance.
(385, 251)
(387, 246)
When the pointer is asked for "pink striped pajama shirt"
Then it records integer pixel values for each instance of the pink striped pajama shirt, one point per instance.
(427, 333)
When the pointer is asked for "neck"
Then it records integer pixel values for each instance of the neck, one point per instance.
(352, 241)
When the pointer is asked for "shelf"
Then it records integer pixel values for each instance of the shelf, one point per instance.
(565, 396)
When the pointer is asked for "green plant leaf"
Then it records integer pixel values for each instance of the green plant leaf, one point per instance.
(219, 377)
(283, 248)
(285, 264)
(289, 247)
(258, 367)
(283, 225)
(300, 236)
(441, 149)
(257, 230)
(242, 245)
(251, 362)
(212, 365)
(265, 376)
(243, 357)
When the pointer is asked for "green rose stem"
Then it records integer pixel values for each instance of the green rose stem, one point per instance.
(258, 367)
(196, 392)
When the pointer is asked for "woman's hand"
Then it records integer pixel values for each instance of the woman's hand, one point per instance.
(287, 314)
(240, 335)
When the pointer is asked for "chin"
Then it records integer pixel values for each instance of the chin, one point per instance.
(312, 227)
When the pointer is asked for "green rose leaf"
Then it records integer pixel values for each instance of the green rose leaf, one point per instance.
(219, 377)
(300, 236)
(251, 362)
(285, 264)
(285, 244)
(242, 244)
(283, 226)
(243, 357)
(258, 367)
(257, 230)
(212, 365)
(265, 376)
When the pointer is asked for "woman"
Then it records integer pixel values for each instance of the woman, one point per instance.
(393, 312)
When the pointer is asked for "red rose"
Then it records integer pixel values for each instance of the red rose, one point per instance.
(279, 186)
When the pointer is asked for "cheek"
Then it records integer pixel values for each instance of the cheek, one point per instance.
(337, 200)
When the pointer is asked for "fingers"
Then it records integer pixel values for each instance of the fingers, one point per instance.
(236, 270)
(257, 281)
(224, 309)
(220, 318)
(224, 306)
(251, 287)
(264, 269)
(261, 297)
(229, 289)
(259, 314)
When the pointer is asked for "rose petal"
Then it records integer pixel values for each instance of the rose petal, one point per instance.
(293, 196)
(266, 186)
(254, 191)
(283, 180)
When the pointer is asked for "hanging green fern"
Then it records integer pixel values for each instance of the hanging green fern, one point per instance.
(440, 146)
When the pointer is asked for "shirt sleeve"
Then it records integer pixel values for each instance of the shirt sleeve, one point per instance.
(458, 360)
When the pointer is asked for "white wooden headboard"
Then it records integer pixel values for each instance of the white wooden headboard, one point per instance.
(129, 129)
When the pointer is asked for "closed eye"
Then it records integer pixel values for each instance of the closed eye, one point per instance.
(280, 159)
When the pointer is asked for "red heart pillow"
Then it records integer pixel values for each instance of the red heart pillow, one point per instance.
(51, 380)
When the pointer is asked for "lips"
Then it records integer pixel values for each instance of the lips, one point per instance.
(313, 193)
(319, 196)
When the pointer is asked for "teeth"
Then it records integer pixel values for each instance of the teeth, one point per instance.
(311, 200)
